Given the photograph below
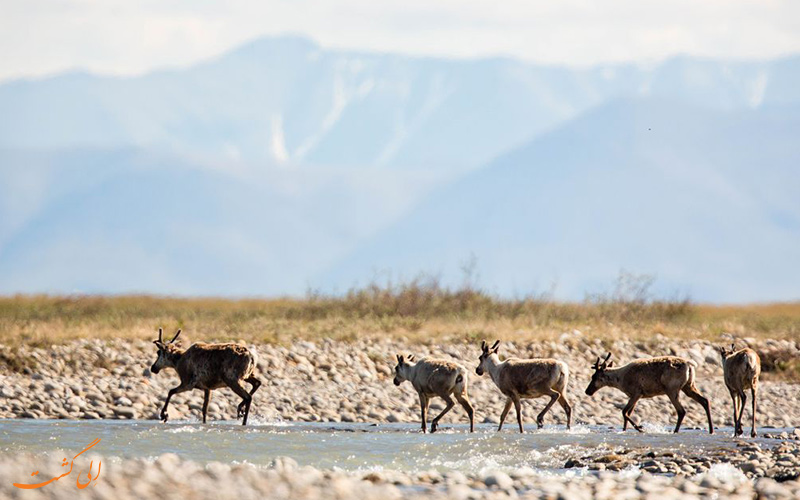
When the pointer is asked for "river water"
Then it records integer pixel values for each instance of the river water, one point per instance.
(351, 446)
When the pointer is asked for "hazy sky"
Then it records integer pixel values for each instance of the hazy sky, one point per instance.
(132, 36)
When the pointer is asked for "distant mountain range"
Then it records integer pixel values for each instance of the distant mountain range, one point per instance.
(282, 166)
(706, 200)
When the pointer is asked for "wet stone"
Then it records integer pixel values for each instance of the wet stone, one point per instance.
(499, 479)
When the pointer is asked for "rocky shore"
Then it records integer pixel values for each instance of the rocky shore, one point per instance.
(780, 462)
(352, 382)
(171, 477)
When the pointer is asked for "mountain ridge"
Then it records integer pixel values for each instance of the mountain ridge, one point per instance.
(302, 167)
(289, 100)
(621, 208)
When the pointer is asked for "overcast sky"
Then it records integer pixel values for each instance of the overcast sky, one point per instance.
(39, 37)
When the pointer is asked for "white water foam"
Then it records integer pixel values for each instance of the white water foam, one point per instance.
(630, 472)
(725, 473)
(184, 429)
(275, 421)
(656, 429)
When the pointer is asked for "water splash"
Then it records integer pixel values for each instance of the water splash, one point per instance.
(656, 429)
(725, 473)
(184, 429)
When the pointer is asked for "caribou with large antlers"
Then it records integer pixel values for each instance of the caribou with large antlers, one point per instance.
(647, 378)
(208, 367)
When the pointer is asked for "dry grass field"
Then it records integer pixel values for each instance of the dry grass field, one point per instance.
(420, 311)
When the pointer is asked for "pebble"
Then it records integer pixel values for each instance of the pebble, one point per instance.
(283, 464)
(125, 412)
(499, 479)
(170, 476)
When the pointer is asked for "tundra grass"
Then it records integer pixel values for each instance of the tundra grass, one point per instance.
(43, 320)
(413, 314)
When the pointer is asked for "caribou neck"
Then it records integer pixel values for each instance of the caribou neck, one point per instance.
(493, 365)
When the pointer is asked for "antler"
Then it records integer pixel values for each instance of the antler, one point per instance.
(175, 337)
(601, 365)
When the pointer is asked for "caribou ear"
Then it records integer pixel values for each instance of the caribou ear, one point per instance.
(494, 346)
(175, 337)
(610, 364)
(733, 347)
(410, 357)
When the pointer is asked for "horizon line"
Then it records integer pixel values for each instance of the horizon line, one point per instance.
(337, 50)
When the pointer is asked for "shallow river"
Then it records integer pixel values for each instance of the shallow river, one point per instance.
(351, 446)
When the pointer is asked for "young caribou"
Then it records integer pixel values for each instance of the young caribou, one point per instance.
(435, 377)
(741, 371)
(526, 378)
(208, 367)
(646, 378)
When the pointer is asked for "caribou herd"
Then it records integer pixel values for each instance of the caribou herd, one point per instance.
(213, 366)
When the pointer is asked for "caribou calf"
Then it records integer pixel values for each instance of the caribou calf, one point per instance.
(435, 377)
(646, 378)
(208, 367)
(741, 371)
(526, 378)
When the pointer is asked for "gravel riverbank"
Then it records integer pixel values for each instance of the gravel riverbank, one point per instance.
(344, 382)
(170, 477)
